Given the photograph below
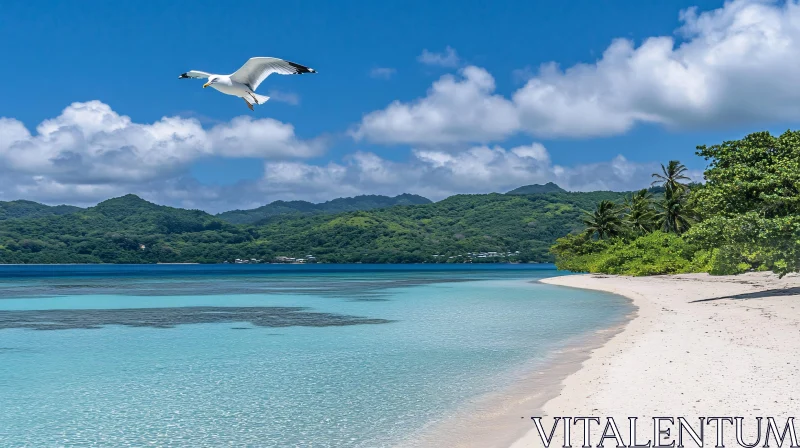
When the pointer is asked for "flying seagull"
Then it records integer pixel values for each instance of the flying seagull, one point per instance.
(245, 81)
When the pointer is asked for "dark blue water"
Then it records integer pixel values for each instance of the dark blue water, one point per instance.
(76, 270)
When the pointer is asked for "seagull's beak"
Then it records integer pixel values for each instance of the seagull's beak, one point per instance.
(206, 85)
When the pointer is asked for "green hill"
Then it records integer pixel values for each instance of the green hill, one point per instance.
(453, 227)
(132, 230)
(30, 209)
(365, 202)
(538, 189)
(111, 232)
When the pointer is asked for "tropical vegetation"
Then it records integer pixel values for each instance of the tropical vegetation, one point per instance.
(746, 216)
(339, 205)
(502, 227)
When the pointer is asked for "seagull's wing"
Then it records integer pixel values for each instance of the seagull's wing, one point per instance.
(256, 70)
(194, 74)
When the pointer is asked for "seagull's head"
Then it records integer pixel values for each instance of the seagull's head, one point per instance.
(213, 80)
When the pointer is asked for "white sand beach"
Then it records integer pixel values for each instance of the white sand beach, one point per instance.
(698, 346)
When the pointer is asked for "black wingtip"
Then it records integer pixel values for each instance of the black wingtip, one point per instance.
(301, 68)
(183, 75)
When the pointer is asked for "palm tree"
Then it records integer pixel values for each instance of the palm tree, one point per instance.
(640, 217)
(604, 221)
(671, 176)
(674, 214)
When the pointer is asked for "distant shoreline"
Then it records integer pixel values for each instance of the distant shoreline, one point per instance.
(221, 269)
(258, 264)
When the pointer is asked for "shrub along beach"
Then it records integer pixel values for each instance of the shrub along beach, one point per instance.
(716, 338)
(746, 216)
(700, 345)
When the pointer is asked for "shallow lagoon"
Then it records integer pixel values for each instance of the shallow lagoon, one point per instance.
(269, 355)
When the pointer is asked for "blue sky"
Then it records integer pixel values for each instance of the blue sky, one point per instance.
(429, 97)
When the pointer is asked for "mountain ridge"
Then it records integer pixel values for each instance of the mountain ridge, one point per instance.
(24, 209)
(338, 205)
(21, 209)
(129, 229)
(549, 187)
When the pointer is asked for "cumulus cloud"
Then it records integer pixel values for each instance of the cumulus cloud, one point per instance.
(456, 109)
(437, 174)
(150, 165)
(522, 75)
(89, 143)
(733, 65)
(284, 97)
(382, 72)
(89, 152)
(449, 58)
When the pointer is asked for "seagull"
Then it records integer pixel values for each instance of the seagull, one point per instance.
(245, 81)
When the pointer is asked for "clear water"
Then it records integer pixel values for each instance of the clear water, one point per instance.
(359, 356)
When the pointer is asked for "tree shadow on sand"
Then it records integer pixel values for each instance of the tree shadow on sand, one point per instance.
(757, 295)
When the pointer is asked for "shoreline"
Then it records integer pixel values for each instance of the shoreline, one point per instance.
(500, 418)
(697, 345)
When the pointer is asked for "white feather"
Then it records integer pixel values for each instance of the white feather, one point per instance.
(256, 70)
(245, 81)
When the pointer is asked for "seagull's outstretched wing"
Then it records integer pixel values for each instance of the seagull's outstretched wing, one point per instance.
(194, 74)
(256, 70)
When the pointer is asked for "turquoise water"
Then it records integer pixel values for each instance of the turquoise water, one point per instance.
(352, 357)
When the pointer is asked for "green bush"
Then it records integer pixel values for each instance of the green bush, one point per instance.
(652, 254)
(576, 252)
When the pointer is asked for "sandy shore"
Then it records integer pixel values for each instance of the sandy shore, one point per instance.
(699, 346)
(499, 419)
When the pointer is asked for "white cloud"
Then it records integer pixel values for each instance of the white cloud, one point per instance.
(522, 75)
(91, 144)
(447, 59)
(456, 109)
(89, 153)
(247, 137)
(284, 97)
(437, 174)
(735, 65)
(382, 72)
(97, 173)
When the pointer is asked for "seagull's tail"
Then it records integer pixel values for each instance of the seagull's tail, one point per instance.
(260, 99)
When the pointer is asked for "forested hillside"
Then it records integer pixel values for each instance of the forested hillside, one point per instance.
(30, 209)
(537, 188)
(364, 202)
(132, 230)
